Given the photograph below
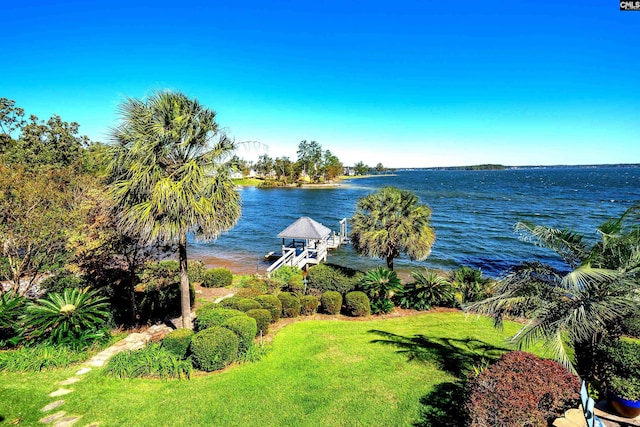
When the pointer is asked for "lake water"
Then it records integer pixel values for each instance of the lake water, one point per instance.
(473, 214)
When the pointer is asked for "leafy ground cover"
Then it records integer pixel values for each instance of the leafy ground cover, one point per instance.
(317, 372)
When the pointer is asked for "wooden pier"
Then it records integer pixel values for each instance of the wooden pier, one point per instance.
(309, 243)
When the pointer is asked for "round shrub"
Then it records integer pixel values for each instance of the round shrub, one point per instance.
(331, 302)
(521, 389)
(214, 348)
(254, 282)
(217, 278)
(247, 304)
(290, 304)
(247, 293)
(231, 302)
(177, 342)
(357, 304)
(245, 328)
(271, 303)
(308, 305)
(263, 318)
(212, 316)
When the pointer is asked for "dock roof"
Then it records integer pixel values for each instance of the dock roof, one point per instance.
(305, 228)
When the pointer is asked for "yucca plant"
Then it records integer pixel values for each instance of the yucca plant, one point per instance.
(427, 289)
(378, 284)
(76, 317)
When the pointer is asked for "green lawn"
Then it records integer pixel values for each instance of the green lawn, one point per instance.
(318, 373)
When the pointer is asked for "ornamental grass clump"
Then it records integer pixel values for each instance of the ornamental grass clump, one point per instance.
(357, 304)
(38, 358)
(309, 305)
(177, 342)
(214, 348)
(290, 304)
(263, 318)
(331, 302)
(246, 328)
(152, 361)
(271, 303)
(521, 389)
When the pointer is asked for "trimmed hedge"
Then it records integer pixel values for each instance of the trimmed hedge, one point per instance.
(247, 293)
(324, 277)
(521, 389)
(214, 348)
(177, 342)
(230, 302)
(263, 318)
(247, 304)
(208, 316)
(271, 303)
(331, 302)
(290, 304)
(217, 278)
(245, 328)
(357, 304)
(308, 305)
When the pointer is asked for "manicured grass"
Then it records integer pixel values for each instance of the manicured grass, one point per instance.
(317, 373)
(248, 182)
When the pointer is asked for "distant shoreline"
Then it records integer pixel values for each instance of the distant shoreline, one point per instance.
(338, 182)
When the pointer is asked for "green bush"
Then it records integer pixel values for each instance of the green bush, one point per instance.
(271, 303)
(11, 308)
(152, 361)
(177, 342)
(247, 293)
(61, 281)
(255, 282)
(158, 294)
(357, 304)
(245, 327)
(427, 289)
(325, 277)
(289, 278)
(217, 278)
(470, 285)
(620, 360)
(214, 348)
(308, 305)
(196, 271)
(76, 318)
(230, 302)
(290, 304)
(379, 284)
(331, 302)
(210, 315)
(263, 318)
(38, 358)
(247, 304)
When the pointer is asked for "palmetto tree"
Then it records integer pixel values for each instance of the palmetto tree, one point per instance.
(390, 222)
(171, 177)
(580, 308)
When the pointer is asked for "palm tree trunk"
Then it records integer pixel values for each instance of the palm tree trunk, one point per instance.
(185, 300)
(390, 263)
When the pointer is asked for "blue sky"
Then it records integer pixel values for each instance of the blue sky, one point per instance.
(405, 83)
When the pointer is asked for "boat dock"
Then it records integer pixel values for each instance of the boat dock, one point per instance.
(309, 242)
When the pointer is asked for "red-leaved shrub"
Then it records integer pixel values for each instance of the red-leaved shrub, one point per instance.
(521, 390)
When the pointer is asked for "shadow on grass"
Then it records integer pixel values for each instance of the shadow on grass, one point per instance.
(444, 404)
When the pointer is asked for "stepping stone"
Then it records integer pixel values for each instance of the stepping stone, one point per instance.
(49, 419)
(83, 371)
(60, 392)
(52, 405)
(576, 417)
(71, 380)
(66, 422)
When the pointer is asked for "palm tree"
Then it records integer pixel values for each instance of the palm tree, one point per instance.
(578, 309)
(171, 177)
(390, 222)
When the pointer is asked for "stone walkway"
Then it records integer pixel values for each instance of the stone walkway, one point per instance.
(134, 341)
